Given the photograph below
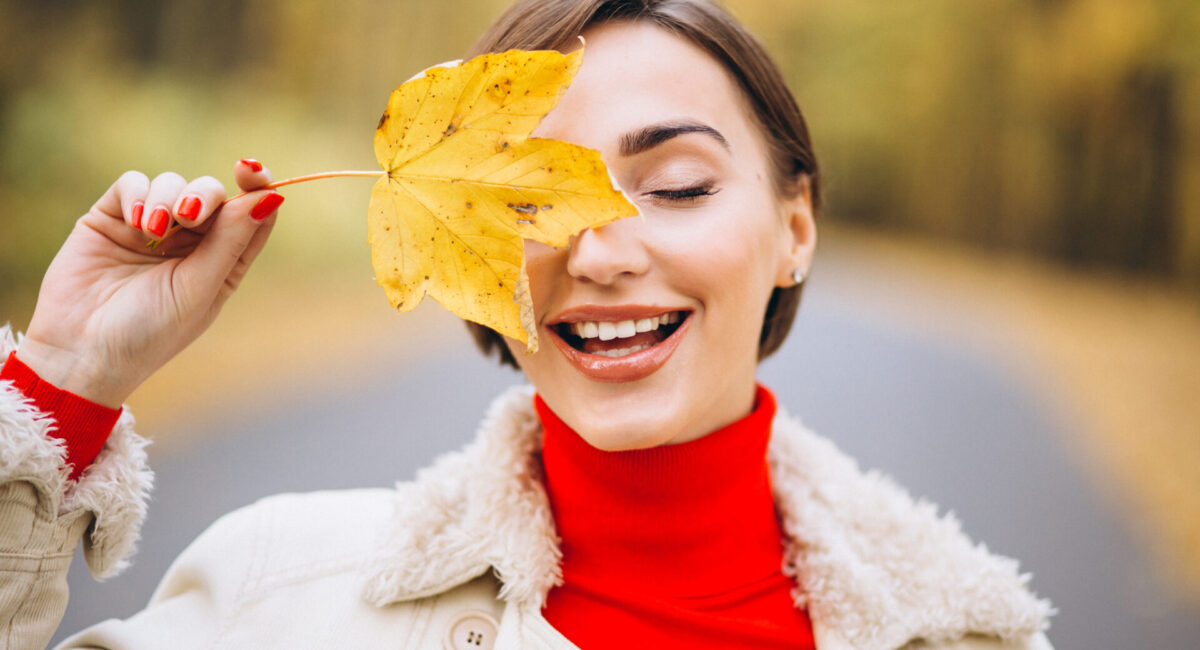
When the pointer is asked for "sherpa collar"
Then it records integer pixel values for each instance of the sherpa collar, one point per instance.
(874, 567)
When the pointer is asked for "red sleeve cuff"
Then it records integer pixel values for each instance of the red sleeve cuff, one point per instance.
(83, 425)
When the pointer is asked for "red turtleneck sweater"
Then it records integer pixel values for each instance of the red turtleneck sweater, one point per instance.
(676, 546)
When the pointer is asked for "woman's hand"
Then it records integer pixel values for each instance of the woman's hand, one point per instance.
(112, 311)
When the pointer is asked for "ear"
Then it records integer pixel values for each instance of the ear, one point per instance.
(798, 234)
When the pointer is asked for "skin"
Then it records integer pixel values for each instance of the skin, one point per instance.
(718, 255)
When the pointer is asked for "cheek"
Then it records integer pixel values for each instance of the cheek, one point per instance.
(543, 265)
(725, 254)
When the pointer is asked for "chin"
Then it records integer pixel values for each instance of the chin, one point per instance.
(634, 435)
(619, 417)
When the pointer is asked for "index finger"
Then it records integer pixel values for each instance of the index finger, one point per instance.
(198, 200)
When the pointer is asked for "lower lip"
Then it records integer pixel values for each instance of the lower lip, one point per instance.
(630, 367)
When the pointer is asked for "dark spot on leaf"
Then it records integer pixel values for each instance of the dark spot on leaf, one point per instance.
(523, 208)
(468, 205)
(450, 128)
(427, 277)
(382, 118)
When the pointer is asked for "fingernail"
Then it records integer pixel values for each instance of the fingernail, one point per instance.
(135, 213)
(253, 164)
(189, 207)
(265, 206)
(158, 221)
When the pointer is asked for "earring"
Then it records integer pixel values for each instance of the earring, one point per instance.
(798, 276)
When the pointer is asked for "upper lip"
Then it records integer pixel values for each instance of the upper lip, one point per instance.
(582, 313)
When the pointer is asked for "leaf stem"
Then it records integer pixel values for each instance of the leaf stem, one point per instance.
(153, 243)
(306, 178)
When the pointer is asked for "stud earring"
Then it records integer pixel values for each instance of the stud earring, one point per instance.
(798, 276)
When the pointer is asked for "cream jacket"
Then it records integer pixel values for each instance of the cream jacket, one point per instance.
(464, 556)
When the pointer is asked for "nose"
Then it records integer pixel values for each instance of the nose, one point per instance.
(609, 253)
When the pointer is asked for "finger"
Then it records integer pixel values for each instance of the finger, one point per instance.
(198, 200)
(160, 201)
(125, 198)
(251, 174)
(210, 265)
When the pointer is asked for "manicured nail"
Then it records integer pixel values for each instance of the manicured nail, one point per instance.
(189, 207)
(158, 221)
(135, 213)
(265, 206)
(253, 164)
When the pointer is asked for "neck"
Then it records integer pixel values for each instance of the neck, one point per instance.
(689, 519)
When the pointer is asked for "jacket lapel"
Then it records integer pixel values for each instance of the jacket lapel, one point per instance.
(477, 508)
(879, 569)
(874, 567)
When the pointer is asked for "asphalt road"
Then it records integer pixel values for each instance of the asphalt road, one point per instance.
(948, 423)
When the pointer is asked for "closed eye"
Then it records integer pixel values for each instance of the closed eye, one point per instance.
(684, 194)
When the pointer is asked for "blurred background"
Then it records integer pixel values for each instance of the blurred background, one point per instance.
(1008, 281)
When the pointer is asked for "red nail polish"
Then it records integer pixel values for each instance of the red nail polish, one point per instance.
(189, 207)
(158, 221)
(135, 213)
(265, 206)
(253, 164)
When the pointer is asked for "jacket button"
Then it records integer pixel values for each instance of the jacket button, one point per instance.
(473, 630)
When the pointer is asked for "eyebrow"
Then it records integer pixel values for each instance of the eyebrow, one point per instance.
(636, 142)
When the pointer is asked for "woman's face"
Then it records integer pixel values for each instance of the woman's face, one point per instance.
(649, 326)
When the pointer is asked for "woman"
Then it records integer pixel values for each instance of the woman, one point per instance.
(646, 497)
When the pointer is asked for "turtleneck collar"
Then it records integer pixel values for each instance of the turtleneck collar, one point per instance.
(687, 520)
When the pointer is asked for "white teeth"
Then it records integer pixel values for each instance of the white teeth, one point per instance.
(620, 352)
(609, 330)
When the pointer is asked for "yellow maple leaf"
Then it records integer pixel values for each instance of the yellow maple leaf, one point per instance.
(465, 183)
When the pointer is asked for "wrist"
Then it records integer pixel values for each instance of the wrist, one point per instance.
(71, 372)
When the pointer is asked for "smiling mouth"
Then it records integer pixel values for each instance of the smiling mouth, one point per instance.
(616, 339)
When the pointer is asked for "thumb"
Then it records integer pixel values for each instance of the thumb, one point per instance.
(218, 255)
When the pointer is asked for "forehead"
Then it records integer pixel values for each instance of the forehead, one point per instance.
(635, 74)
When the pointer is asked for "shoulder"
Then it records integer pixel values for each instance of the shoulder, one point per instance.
(289, 569)
(282, 537)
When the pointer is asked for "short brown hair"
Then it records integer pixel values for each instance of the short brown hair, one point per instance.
(547, 24)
